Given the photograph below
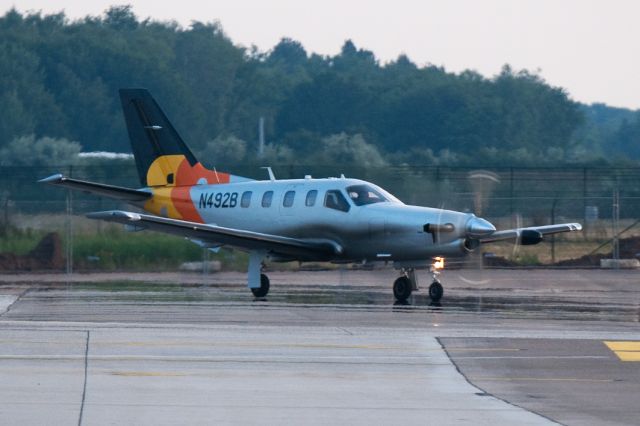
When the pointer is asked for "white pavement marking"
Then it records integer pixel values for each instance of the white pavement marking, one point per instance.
(6, 301)
(267, 375)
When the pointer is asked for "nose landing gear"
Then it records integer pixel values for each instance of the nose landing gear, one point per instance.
(436, 291)
(407, 283)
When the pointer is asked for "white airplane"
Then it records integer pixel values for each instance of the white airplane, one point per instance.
(336, 220)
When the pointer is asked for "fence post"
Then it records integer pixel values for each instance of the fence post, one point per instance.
(4, 229)
(69, 232)
(553, 237)
(616, 220)
(511, 196)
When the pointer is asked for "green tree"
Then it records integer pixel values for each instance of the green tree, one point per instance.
(45, 151)
(223, 151)
(348, 149)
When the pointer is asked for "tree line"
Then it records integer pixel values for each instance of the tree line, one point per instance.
(59, 80)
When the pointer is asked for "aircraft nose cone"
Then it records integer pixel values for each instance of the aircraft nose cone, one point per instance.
(478, 227)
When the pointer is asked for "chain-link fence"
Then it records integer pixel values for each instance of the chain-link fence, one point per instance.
(605, 200)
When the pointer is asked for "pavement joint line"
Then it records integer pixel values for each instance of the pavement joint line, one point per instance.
(484, 349)
(306, 407)
(229, 345)
(537, 357)
(483, 391)
(466, 331)
(302, 359)
(84, 386)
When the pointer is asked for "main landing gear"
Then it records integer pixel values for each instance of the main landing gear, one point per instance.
(407, 283)
(263, 290)
(258, 282)
(402, 288)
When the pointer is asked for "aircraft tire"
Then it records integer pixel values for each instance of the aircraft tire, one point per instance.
(402, 289)
(436, 291)
(263, 290)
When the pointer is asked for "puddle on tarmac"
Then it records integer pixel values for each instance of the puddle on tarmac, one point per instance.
(346, 297)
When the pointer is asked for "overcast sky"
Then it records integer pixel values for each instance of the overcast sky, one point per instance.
(589, 47)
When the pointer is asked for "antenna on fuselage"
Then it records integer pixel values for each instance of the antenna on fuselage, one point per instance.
(272, 177)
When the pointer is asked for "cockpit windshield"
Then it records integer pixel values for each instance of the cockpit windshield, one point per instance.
(365, 194)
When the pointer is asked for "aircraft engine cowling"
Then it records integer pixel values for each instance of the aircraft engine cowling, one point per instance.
(470, 244)
(530, 237)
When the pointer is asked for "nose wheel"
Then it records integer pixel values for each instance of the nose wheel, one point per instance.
(436, 291)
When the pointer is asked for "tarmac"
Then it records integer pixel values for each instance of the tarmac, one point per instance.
(502, 347)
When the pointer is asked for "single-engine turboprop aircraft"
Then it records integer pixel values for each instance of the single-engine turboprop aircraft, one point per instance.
(335, 219)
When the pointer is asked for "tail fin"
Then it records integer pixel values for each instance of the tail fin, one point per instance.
(162, 157)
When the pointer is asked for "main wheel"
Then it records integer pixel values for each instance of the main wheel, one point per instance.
(436, 291)
(402, 289)
(264, 287)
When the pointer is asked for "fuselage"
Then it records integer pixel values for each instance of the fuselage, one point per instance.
(366, 221)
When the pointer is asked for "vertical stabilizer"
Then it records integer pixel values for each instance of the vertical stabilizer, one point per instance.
(162, 157)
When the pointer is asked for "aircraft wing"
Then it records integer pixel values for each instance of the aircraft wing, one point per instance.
(111, 191)
(312, 249)
(532, 234)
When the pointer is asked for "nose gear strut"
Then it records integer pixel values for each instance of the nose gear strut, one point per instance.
(436, 291)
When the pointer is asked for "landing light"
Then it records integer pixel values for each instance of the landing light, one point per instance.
(438, 263)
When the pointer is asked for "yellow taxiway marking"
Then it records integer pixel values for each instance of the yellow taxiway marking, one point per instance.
(623, 346)
(483, 349)
(628, 356)
(146, 374)
(626, 351)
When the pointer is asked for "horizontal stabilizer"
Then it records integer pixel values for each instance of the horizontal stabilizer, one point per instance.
(117, 192)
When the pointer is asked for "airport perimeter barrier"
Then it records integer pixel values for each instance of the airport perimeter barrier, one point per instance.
(605, 200)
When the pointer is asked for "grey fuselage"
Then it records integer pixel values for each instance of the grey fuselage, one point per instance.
(388, 231)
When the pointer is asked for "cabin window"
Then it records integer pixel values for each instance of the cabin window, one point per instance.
(245, 201)
(335, 200)
(267, 198)
(287, 201)
(365, 194)
(310, 201)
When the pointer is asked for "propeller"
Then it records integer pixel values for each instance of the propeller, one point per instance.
(478, 227)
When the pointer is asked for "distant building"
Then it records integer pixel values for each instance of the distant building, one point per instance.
(107, 155)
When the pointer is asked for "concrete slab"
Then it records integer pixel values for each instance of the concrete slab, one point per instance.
(42, 376)
(222, 376)
(324, 348)
(572, 381)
